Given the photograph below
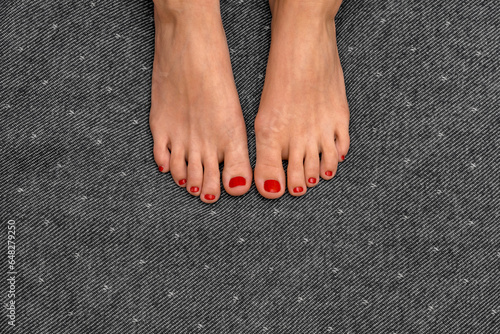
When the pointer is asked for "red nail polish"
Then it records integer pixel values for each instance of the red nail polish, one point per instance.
(272, 186)
(311, 180)
(342, 157)
(194, 189)
(160, 168)
(181, 182)
(209, 197)
(298, 189)
(237, 181)
(328, 173)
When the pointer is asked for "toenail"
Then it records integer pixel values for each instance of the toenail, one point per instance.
(160, 168)
(298, 189)
(342, 157)
(311, 180)
(209, 197)
(181, 182)
(272, 186)
(194, 189)
(328, 173)
(237, 181)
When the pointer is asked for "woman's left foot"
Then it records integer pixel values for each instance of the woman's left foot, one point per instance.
(303, 110)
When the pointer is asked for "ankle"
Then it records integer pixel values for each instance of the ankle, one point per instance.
(313, 10)
(167, 10)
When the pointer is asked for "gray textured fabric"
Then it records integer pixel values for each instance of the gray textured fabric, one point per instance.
(404, 239)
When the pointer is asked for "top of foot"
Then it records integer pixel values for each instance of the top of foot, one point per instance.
(195, 118)
(303, 111)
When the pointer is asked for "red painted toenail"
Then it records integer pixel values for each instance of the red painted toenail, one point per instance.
(194, 189)
(209, 197)
(272, 186)
(181, 182)
(298, 189)
(160, 168)
(237, 181)
(342, 157)
(311, 180)
(328, 173)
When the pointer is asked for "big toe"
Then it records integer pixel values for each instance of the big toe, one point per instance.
(269, 175)
(237, 173)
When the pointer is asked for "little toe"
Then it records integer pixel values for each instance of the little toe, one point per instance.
(342, 142)
(329, 160)
(269, 174)
(162, 156)
(210, 190)
(194, 174)
(237, 173)
(295, 173)
(311, 166)
(178, 167)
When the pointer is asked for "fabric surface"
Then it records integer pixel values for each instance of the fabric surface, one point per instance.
(404, 239)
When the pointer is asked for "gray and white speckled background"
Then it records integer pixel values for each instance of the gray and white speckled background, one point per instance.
(405, 238)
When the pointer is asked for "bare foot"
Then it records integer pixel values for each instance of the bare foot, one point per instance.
(303, 109)
(196, 117)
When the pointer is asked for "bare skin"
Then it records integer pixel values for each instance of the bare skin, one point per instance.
(196, 118)
(303, 109)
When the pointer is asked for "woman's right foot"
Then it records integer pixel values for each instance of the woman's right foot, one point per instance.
(196, 118)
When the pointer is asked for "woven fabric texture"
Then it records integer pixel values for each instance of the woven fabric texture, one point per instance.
(404, 239)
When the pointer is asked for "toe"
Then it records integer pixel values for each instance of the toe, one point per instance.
(178, 166)
(295, 173)
(161, 155)
(237, 173)
(329, 160)
(210, 190)
(311, 166)
(194, 174)
(342, 142)
(269, 174)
